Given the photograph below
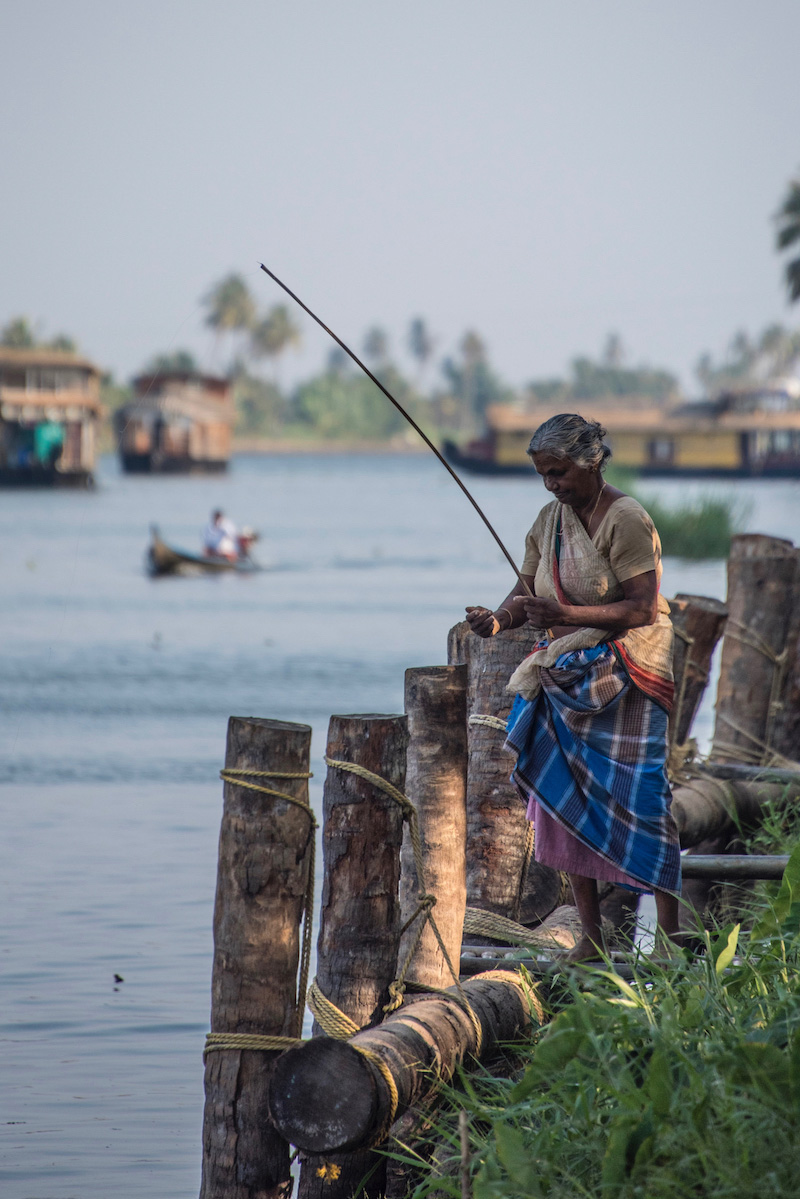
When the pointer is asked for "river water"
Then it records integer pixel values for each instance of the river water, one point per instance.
(115, 694)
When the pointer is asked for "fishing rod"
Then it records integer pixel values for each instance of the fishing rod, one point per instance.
(410, 420)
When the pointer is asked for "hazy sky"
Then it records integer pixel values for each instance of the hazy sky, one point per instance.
(543, 172)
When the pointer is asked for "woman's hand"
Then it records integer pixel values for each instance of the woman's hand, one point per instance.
(483, 622)
(544, 613)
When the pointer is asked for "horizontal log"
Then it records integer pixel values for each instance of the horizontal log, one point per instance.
(539, 967)
(327, 1096)
(728, 866)
(707, 807)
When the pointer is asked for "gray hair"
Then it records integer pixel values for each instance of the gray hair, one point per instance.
(570, 436)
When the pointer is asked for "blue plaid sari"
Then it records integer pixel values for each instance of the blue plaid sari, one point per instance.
(591, 750)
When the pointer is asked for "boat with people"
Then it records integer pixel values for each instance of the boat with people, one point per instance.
(164, 559)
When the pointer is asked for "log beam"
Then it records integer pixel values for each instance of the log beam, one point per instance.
(328, 1096)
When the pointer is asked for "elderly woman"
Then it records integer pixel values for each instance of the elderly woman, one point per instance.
(589, 724)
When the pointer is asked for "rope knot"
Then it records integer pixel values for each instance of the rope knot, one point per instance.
(397, 990)
(426, 901)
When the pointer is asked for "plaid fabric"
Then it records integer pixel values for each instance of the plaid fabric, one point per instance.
(591, 749)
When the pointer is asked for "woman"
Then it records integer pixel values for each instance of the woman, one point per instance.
(589, 724)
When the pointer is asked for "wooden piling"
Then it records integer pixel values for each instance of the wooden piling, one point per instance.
(762, 574)
(360, 919)
(436, 770)
(496, 824)
(327, 1096)
(698, 622)
(265, 851)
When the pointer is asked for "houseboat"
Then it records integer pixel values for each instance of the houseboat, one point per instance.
(178, 421)
(743, 432)
(49, 413)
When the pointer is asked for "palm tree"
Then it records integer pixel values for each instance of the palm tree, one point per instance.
(421, 344)
(274, 334)
(231, 308)
(788, 219)
(376, 346)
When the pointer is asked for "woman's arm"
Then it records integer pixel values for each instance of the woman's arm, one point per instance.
(508, 615)
(639, 607)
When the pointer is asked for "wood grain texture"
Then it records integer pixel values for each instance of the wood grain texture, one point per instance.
(360, 916)
(436, 776)
(496, 824)
(762, 575)
(326, 1096)
(261, 881)
(699, 623)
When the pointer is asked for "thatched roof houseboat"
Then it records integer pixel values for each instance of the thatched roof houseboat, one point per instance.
(748, 431)
(179, 421)
(49, 412)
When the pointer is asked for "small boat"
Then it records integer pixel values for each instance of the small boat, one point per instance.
(162, 559)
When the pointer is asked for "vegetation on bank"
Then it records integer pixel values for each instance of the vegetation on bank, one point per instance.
(685, 1081)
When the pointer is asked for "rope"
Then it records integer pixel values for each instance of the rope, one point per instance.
(426, 900)
(491, 722)
(239, 778)
(477, 922)
(331, 1019)
(243, 1040)
(768, 756)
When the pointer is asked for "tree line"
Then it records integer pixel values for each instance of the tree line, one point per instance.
(340, 402)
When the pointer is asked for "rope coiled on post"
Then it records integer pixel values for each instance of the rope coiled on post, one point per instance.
(217, 1041)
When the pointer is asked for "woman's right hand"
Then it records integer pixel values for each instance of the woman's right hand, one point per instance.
(482, 621)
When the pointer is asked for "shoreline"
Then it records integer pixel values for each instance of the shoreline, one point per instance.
(287, 445)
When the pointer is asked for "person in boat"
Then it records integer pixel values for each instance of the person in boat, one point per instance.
(220, 538)
(589, 722)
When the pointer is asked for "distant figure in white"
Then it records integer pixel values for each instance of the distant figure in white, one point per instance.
(220, 538)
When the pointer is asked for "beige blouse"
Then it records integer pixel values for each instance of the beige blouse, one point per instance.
(591, 572)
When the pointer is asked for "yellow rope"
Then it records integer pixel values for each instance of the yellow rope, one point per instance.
(242, 1040)
(333, 1022)
(240, 778)
(491, 722)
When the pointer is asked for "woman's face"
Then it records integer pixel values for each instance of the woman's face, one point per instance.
(565, 480)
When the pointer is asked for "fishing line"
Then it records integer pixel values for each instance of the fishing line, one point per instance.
(410, 420)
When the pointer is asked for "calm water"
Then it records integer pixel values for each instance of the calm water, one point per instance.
(115, 695)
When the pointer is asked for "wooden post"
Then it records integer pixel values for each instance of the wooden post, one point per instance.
(327, 1096)
(762, 574)
(264, 857)
(436, 769)
(360, 921)
(496, 824)
(786, 733)
(698, 623)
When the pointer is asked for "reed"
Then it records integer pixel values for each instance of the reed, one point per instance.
(683, 1082)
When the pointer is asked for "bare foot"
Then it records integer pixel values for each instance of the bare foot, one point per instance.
(584, 951)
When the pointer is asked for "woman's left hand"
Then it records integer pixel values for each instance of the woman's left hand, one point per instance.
(542, 613)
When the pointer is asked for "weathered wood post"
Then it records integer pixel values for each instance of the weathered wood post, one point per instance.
(496, 824)
(360, 919)
(265, 852)
(786, 733)
(436, 775)
(762, 574)
(698, 622)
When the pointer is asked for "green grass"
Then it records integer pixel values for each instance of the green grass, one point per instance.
(684, 1083)
(699, 529)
